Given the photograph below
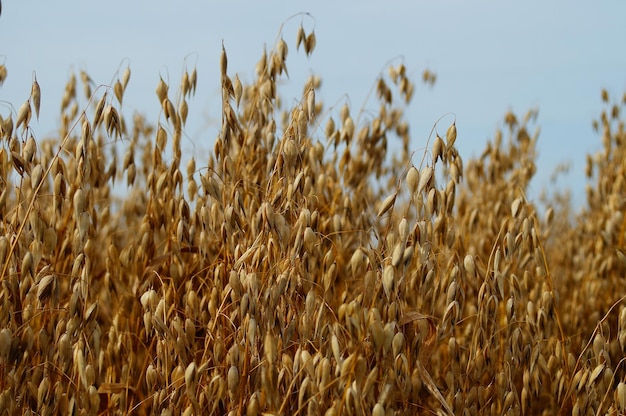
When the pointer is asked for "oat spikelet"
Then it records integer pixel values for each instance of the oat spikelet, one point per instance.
(193, 80)
(310, 99)
(451, 136)
(23, 115)
(300, 36)
(238, 89)
(97, 118)
(282, 49)
(183, 110)
(161, 90)
(35, 94)
(438, 149)
(223, 62)
(118, 89)
(412, 179)
(3, 73)
(309, 43)
(425, 178)
(387, 204)
(125, 77)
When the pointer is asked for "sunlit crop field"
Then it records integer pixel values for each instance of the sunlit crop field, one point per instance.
(319, 262)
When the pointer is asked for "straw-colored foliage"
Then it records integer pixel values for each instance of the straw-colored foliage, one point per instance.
(319, 262)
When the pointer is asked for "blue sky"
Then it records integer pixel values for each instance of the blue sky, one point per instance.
(489, 57)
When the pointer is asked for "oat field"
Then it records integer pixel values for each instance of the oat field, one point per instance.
(320, 262)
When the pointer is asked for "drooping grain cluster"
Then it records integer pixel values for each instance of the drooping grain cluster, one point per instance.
(301, 269)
